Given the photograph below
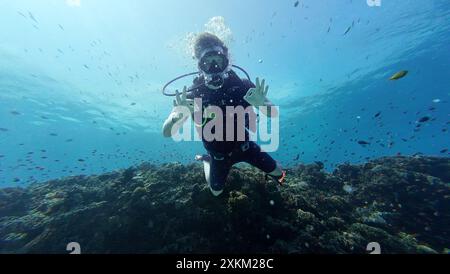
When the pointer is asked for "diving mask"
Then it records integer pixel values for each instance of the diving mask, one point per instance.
(214, 65)
(213, 62)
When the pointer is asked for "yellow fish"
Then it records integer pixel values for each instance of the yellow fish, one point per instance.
(399, 75)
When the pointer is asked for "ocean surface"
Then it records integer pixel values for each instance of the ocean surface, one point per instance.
(81, 80)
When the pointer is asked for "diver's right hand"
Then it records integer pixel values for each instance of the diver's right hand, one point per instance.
(182, 101)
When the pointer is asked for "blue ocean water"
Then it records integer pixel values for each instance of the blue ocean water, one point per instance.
(80, 81)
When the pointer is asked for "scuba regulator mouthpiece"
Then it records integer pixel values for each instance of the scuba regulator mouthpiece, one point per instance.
(215, 81)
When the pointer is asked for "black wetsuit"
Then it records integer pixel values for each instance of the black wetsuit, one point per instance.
(224, 154)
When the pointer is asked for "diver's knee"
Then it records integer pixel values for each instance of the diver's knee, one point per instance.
(216, 193)
(207, 170)
(216, 187)
(210, 181)
(278, 171)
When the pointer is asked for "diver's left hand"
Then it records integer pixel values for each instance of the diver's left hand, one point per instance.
(257, 96)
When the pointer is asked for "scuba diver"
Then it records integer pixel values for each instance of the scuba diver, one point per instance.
(218, 85)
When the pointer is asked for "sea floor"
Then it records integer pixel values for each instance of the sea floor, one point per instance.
(401, 203)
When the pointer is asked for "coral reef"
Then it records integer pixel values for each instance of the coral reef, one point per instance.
(403, 203)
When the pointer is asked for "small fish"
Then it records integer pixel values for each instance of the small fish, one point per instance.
(445, 150)
(348, 30)
(363, 143)
(4, 129)
(53, 134)
(15, 112)
(61, 27)
(399, 75)
(296, 4)
(424, 119)
(32, 17)
(80, 160)
(21, 14)
(378, 114)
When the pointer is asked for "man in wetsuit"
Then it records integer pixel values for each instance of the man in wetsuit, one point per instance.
(219, 86)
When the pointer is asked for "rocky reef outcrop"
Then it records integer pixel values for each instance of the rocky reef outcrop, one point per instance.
(402, 203)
